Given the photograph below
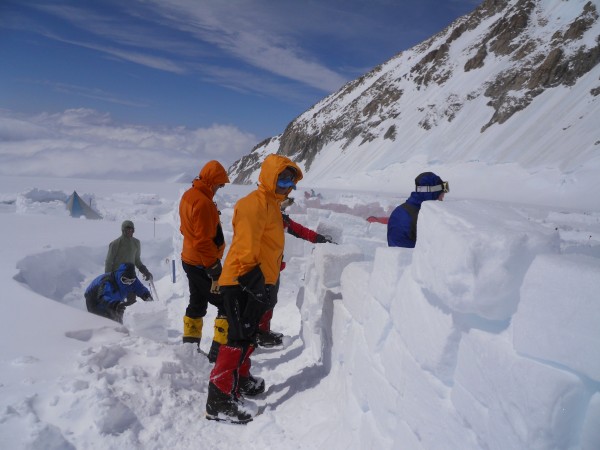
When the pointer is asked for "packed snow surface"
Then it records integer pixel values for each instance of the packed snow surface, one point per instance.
(484, 336)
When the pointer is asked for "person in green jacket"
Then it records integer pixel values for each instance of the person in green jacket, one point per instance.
(126, 249)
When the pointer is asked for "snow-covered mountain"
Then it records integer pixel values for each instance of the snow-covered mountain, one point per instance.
(515, 82)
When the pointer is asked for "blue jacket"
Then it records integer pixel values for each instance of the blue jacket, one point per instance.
(402, 226)
(108, 289)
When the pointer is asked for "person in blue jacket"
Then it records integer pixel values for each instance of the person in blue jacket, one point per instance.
(106, 294)
(402, 225)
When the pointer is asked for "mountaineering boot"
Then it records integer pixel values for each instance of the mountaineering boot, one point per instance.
(251, 385)
(221, 406)
(219, 337)
(266, 337)
(269, 339)
(192, 330)
(264, 325)
(247, 384)
(221, 403)
(213, 352)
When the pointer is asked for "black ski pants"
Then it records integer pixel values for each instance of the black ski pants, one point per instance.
(200, 295)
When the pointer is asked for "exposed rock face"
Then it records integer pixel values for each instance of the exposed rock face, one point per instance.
(525, 50)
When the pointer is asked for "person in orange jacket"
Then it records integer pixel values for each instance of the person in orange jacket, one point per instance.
(265, 336)
(250, 272)
(203, 246)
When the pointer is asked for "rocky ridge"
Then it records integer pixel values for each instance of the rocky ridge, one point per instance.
(516, 49)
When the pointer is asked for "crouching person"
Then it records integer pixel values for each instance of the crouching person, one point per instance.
(248, 279)
(106, 294)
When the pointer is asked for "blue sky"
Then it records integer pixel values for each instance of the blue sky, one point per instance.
(255, 65)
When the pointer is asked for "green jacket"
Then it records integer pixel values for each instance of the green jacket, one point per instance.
(124, 250)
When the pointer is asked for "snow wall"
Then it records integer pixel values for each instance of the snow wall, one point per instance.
(486, 335)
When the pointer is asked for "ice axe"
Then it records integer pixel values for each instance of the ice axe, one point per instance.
(153, 290)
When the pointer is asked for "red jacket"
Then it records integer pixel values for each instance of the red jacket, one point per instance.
(299, 231)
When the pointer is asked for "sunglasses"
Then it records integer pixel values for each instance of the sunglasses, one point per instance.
(127, 281)
(286, 180)
(444, 187)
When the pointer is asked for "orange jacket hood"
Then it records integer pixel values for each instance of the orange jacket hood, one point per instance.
(212, 174)
(270, 169)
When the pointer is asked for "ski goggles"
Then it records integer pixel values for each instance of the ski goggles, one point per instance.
(286, 181)
(126, 280)
(444, 187)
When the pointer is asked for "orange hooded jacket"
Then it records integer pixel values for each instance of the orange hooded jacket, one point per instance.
(258, 237)
(203, 242)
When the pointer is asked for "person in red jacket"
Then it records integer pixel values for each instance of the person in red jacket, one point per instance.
(203, 246)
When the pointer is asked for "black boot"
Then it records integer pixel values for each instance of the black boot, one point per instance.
(213, 352)
(269, 339)
(251, 386)
(222, 407)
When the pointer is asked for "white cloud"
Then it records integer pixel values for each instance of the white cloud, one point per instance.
(175, 36)
(87, 143)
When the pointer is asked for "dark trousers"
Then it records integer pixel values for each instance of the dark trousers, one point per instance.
(94, 307)
(200, 295)
(244, 313)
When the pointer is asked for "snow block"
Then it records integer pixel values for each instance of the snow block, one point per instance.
(294, 246)
(478, 263)
(388, 266)
(515, 402)
(590, 433)
(377, 326)
(427, 331)
(559, 315)
(321, 288)
(437, 422)
(355, 290)
(330, 261)
(352, 225)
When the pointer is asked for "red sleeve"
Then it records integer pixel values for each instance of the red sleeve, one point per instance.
(295, 229)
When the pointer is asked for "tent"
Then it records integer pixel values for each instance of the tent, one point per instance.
(77, 207)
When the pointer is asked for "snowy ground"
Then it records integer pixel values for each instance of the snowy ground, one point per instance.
(485, 336)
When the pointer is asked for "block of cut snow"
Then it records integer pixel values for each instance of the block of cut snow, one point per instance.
(590, 433)
(512, 401)
(558, 318)
(473, 255)
(388, 266)
(331, 229)
(330, 261)
(423, 400)
(377, 326)
(355, 289)
(369, 246)
(350, 225)
(427, 330)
